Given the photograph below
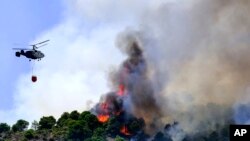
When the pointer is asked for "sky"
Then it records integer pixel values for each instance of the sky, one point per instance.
(74, 72)
(78, 59)
(21, 22)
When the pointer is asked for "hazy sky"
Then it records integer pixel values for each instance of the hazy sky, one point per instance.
(73, 73)
(21, 22)
(81, 53)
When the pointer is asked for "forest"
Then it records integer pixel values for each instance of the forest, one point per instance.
(85, 126)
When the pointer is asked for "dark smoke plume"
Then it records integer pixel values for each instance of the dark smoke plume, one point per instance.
(133, 92)
(188, 62)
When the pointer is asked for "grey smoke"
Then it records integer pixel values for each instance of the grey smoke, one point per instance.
(198, 64)
(192, 65)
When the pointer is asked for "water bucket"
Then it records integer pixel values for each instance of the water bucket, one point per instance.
(33, 78)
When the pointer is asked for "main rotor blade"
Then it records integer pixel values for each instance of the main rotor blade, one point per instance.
(41, 42)
(21, 49)
(41, 46)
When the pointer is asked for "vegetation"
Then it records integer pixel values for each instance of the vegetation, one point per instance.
(85, 126)
(4, 128)
(46, 123)
(20, 125)
(72, 126)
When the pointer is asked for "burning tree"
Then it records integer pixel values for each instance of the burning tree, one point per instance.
(131, 107)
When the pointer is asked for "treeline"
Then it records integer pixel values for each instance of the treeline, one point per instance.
(85, 126)
(72, 126)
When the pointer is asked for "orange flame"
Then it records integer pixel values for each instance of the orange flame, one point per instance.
(124, 130)
(121, 90)
(103, 118)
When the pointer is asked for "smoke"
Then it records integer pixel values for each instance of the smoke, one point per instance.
(241, 110)
(198, 58)
(133, 74)
(187, 62)
(133, 92)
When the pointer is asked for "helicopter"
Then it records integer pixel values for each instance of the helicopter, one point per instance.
(32, 53)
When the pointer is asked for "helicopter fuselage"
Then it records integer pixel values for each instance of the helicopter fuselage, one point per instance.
(31, 54)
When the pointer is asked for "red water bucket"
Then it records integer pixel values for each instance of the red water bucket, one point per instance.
(33, 78)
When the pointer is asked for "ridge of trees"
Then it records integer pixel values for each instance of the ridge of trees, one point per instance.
(75, 126)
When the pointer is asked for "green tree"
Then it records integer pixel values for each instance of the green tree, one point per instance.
(74, 115)
(99, 132)
(78, 131)
(113, 127)
(83, 115)
(118, 138)
(97, 138)
(47, 122)
(29, 134)
(4, 127)
(92, 121)
(20, 125)
(62, 120)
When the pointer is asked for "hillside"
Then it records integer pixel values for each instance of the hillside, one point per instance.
(85, 126)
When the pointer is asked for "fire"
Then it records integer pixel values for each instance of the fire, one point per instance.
(121, 90)
(103, 118)
(124, 130)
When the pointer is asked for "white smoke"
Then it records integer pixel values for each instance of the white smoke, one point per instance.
(81, 51)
